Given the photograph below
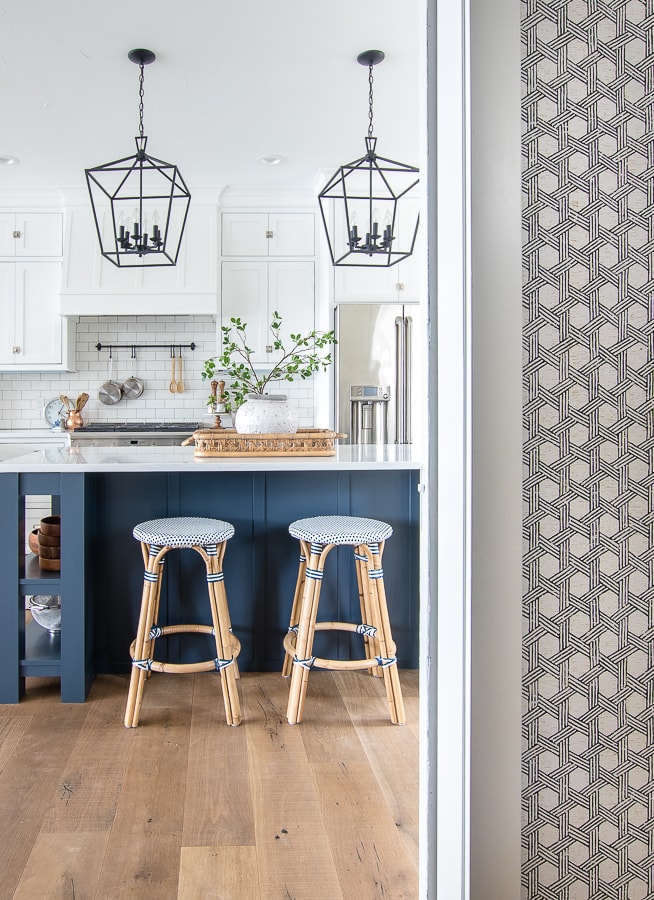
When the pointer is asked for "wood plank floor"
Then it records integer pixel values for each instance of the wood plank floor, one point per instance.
(185, 807)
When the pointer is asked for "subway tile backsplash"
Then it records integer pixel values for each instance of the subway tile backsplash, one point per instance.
(23, 394)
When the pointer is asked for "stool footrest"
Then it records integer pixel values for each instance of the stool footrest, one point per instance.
(319, 662)
(207, 665)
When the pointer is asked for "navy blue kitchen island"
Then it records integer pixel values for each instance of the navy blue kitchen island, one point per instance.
(102, 493)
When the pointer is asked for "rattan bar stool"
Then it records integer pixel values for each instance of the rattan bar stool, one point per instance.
(318, 535)
(209, 538)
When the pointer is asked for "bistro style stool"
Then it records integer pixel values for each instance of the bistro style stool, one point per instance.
(209, 538)
(318, 535)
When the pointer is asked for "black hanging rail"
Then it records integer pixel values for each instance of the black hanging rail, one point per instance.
(167, 346)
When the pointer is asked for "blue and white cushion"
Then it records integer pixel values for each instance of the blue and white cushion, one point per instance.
(340, 530)
(183, 531)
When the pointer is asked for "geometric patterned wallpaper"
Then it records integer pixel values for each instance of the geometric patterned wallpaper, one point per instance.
(588, 298)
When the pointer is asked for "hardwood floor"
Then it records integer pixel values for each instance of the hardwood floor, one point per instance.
(186, 807)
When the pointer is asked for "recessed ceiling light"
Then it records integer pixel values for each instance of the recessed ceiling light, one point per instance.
(8, 160)
(272, 160)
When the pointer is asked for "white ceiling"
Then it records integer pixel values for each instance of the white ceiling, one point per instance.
(233, 81)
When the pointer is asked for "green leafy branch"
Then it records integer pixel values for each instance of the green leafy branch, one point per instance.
(301, 356)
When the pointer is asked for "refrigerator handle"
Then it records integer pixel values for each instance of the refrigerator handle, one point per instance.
(403, 379)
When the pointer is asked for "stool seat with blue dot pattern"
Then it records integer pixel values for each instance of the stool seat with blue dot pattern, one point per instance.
(318, 535)
(208, 537)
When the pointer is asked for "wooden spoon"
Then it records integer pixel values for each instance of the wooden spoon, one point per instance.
(172, 387)
(180, 381)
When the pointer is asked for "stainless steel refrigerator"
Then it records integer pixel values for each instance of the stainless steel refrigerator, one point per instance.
(373, 372)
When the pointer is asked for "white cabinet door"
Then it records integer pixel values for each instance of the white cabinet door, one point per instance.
(31, 234)
(7, 312)
(292, 234)
(268, 234)
(38, 326)
(245, 296)
(400, 283)
(254, 290)
(244, 234)
(41, 234)
(291, 292)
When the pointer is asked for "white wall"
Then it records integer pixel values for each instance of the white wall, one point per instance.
(22, 394)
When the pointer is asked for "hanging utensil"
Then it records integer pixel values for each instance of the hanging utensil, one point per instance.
(180, 380)
(132, 386)
(110, 392)
(172, 387)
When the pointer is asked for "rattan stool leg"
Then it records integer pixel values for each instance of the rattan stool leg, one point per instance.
(315, 554)
(295, 611)
(387, 650)
(149, 605)
(371, 644)
(225, 660)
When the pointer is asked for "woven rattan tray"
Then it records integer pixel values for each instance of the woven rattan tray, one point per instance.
(226, 442)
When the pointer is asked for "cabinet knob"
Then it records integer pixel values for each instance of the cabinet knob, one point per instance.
(18, 234)
(269, 234)
(399, 286)
(15, 349)
(269, 348)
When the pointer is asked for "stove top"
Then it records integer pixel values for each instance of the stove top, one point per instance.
(137, 427)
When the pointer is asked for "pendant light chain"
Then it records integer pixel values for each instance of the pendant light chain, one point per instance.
(370, 100)
(141, 80)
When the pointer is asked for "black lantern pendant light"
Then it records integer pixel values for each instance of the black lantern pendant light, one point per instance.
(364, 205)
(140, 203)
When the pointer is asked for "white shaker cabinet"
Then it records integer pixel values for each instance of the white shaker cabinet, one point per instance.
(31, 234)
(253, 289)
(268, 234)
(400, 283)
(33, 336)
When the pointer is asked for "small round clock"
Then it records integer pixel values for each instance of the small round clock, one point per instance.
(55, 411)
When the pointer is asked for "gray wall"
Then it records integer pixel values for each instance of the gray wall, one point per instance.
(496, 400)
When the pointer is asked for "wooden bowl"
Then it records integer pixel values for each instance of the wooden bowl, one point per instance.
(51, 565)
(51, 525)
(33, 541)
(49, 552)
(49, 540)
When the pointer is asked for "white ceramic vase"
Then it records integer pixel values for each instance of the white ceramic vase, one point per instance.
(266, 414)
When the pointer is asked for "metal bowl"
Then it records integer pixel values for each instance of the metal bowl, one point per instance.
(46, 611)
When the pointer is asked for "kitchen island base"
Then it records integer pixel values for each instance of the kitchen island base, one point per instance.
(101, 576)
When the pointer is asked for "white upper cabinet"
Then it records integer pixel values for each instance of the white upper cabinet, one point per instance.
(33, 336)
(268, 234)
(252, 290)
(94, 286)
(400, 283)
(31, 234)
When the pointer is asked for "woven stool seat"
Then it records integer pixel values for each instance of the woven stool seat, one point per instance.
(318, 535)
(183, 531)
(340, 530)
(208, 537)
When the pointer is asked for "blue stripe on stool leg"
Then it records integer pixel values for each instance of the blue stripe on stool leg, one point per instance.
(152, 577)
(367, 630)
(304, 663)
(315, 574)
(317, 549)
(211, 549)
(375, 573)
(385, 661)
(222, 663)
(215, 576)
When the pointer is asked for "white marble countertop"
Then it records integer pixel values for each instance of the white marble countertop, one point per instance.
(182, 459)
